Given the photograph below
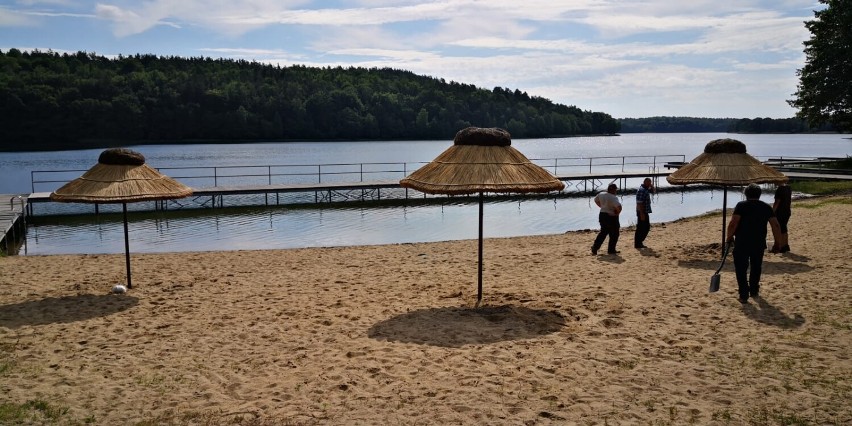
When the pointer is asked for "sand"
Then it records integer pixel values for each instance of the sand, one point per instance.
(389, 334)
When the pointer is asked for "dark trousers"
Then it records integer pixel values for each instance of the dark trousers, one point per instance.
(643, 227)
(609, 228)
(783, 220)
(748, 281)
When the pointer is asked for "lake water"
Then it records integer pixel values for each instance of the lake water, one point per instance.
(261, 227)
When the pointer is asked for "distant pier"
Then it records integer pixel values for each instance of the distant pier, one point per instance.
(329, 183)
(336, 192)
(13, 222)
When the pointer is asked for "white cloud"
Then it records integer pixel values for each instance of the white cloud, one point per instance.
(11, 18)
(268, 56)
(48, 2)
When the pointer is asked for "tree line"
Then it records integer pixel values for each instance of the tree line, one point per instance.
(720, 125)
(81, 100)
(675, 125)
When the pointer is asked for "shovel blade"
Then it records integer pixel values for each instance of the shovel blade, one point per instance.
(714, 283)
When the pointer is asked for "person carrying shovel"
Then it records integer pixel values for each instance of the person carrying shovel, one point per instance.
(747, 230)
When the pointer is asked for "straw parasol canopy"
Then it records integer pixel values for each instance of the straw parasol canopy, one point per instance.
(725, 162)
(121, 176)
(481, 160)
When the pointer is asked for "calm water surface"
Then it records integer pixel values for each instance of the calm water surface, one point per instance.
(261, 227)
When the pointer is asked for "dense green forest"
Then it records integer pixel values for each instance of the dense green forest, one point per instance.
(717, 125)
(675, 125)
(68, 101)
(777, 125)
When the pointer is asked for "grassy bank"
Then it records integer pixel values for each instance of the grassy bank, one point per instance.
(822, 188)
(827, 187)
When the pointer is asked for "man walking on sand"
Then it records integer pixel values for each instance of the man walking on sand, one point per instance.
(608, 218)
(747, 230)
(643, 211)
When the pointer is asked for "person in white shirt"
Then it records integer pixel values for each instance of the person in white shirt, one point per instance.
(608, 218)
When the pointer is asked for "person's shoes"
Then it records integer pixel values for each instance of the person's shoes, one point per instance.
(785, 249)
(613, 252)
(743, 300)
(594, 251)
(641, 246)
(754, 294)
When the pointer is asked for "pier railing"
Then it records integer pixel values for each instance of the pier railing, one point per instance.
(232, 175)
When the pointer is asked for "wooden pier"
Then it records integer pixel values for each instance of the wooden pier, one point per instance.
(582, 176)
(330, 192)
(333, 192)
(13, 222)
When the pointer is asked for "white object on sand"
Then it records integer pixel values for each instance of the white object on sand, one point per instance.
(119, 289)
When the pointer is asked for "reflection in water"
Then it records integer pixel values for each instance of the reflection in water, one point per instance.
(276, 227)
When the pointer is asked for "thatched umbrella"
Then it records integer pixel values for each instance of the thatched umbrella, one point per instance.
(725, 162)
(481, 160)
(121, 176)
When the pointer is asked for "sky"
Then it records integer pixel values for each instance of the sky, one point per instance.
(627, 58)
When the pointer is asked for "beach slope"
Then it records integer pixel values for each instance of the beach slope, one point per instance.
(388, 334)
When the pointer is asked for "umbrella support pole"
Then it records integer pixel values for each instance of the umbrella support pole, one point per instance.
(479, 286)
(126, 246)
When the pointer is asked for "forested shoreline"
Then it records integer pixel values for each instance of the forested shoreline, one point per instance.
(71, 101)
(52, 101)
(718, 125)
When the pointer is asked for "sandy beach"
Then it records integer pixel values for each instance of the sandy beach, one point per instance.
(389, 334)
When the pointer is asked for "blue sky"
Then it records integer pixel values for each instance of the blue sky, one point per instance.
(628, 58)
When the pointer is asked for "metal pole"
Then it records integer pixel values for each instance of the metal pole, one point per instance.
(479, 288)
(126, 246)
(724, 214)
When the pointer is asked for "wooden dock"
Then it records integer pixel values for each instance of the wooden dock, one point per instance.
(12, 221)
(374, 190)
(328, 192)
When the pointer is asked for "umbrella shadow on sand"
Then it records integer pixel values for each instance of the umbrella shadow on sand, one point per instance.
(767, 314)
(459, 326)
(66, 309)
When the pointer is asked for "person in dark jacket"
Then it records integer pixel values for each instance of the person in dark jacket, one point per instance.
(643, 212)
(783, 210)
(747, 231)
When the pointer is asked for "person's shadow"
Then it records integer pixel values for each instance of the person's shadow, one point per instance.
(64, 309)
(459, 326)
(770, 315)
(611, 258)
(649, 252)
(795, 257)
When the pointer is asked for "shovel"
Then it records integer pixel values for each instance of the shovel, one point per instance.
(716, 278)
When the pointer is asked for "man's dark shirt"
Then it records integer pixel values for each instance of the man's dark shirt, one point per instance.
(751, 230)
